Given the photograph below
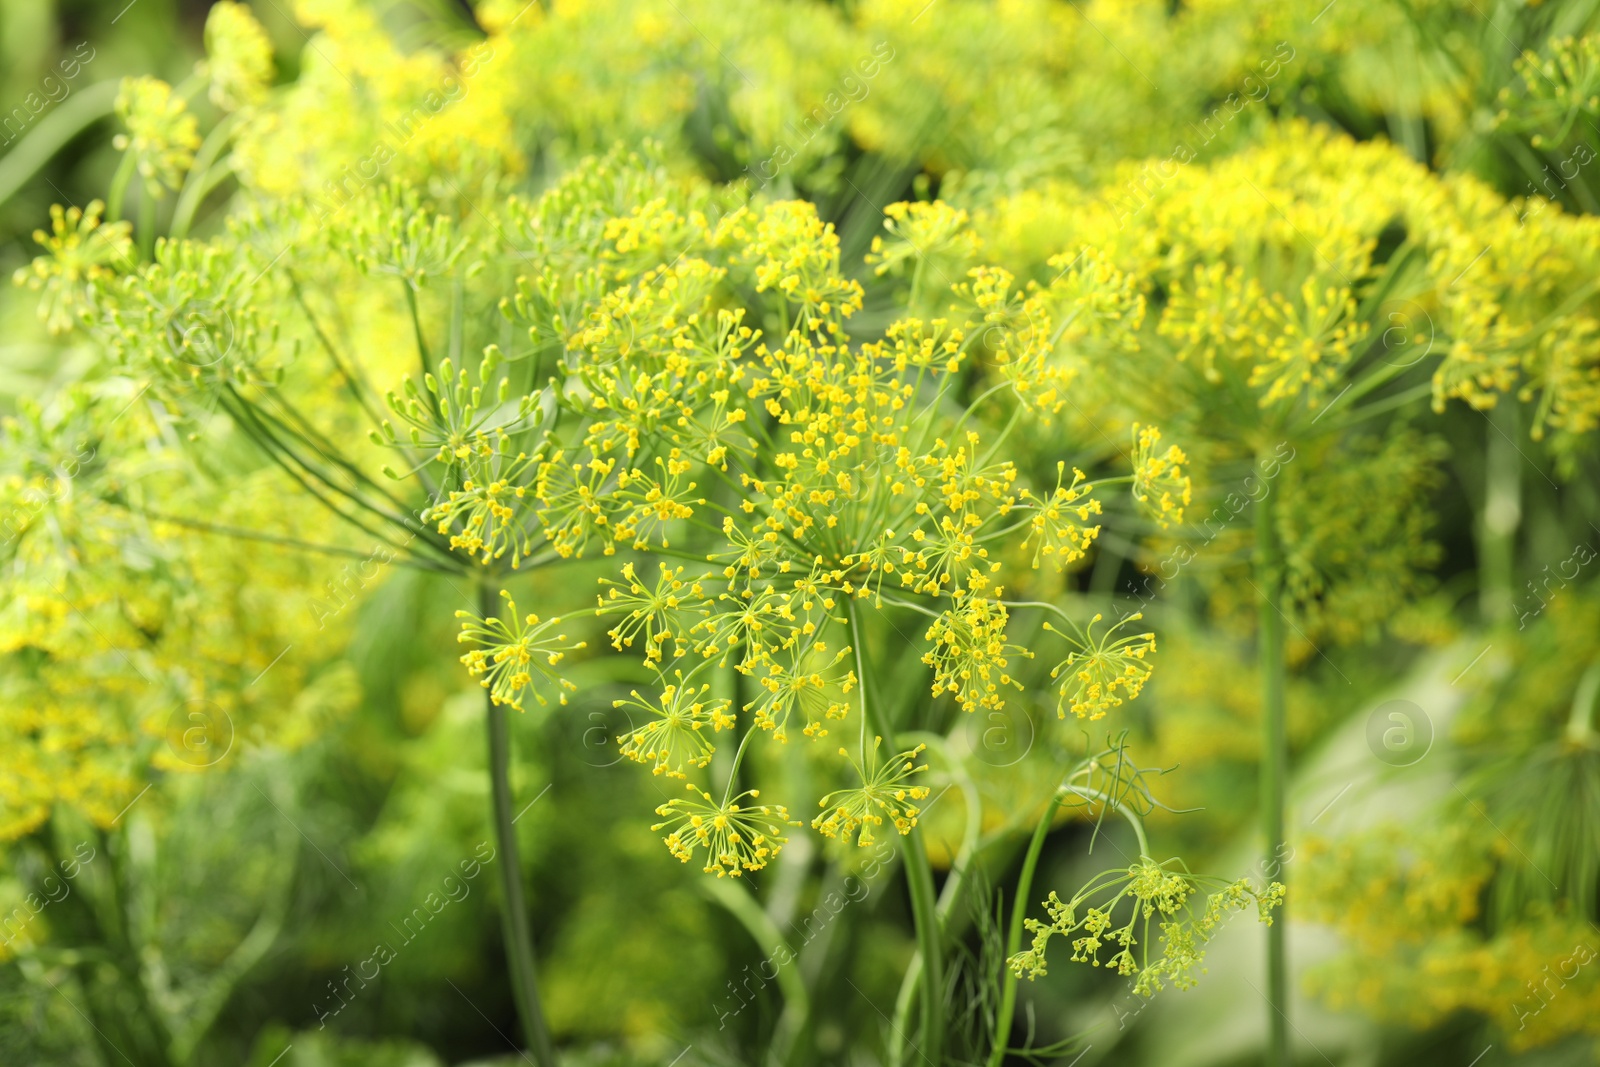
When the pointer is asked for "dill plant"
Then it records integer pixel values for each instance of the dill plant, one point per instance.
(631, 402)
(796, 487)
(853, 465)
(688, 381)
(1305, 305)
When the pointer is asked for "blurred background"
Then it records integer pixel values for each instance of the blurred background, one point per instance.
(1445, 844)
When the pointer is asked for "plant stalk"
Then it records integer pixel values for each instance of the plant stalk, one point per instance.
(1502, 514)
(1019, 909)
(39, 145)
(518, 936)
(1274, 764)
(919, 884)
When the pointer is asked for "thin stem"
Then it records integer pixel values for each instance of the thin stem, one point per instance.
(319, 443)
(252, 417)
(955, 885)
(1126, 811)
(739, 902)
(514, 925)
(919, 883)
(1502, 514)
(1274, 764)
(422, 342)
(144, 1026)
(119, 187)
(200, 180)
(1019, 909)
(51, 133)
(1580, 722)
(1019, 906)
(353, 382)
(243, 534)
(147, 223)
(270, 449)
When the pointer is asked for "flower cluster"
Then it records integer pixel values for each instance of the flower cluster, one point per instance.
(736, 838)
(1147, 890)
(162, 132)
(238, 56)
(1100, 673)
(516, 655)
(812, 472)
(1159, 484)
(80, 249)
(885, 791)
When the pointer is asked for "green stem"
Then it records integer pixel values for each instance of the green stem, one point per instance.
(1127, 813)
(1019, 906)
(1502, 514)
(955, 885)
(40, 144)
(1274, 764)
(147, 224)
(796, 1003)
(919, 884)
(119, 187)
(118, 997)
(1019, 909)
(514, 925)
(201, 179)
(422, 343)
(1580, 723)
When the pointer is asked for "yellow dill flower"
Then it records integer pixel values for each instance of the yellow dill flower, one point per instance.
(675, 736)
(574, 502)
(1218, 313)
(485, 507)
(1311, 340)
(1150, 890)
(970, 655)
(885, 791)
(1160, 486)
(238, 56)
(1102, 672)
(516, 655)
(805, 682)
(924, 231)
(162, 133)
(797, 254)
(657, 614)
(736, 838)
(1057, 529)
(1022, 334)
(78, 249)
(649, 503)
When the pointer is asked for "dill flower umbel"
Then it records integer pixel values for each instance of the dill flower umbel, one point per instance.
(885, 792)
(485, 505)
(921, 231)
(1159, 484)
(800, 681)
(238, 56)
(78, 248)
(656, 614)
(1057, 528)
(1102, 672)
(970, 655)
(675, 736)
(1146, 890)
(516, 655)
(736, 838)
(162, 133)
